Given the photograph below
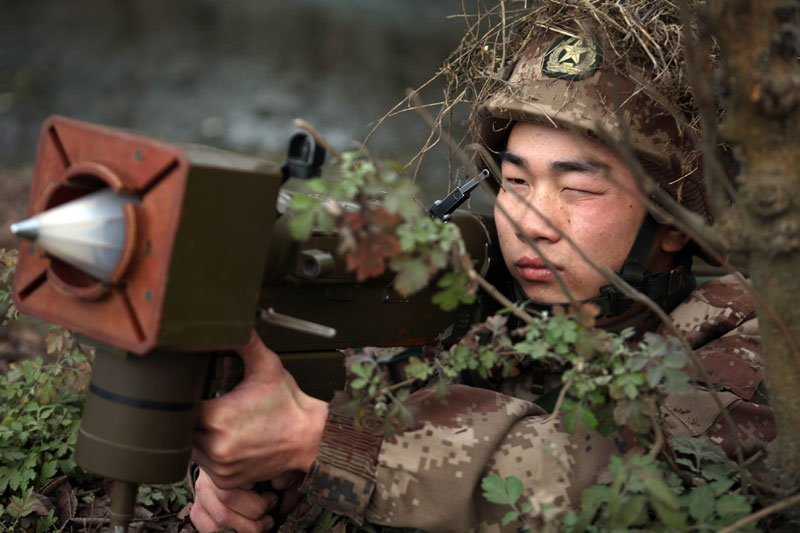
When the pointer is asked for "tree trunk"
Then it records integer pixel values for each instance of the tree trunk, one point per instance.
(759, 84)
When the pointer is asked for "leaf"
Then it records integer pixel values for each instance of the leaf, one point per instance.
(676, 382)
(381, 218)
(302, 202)
(301, 225)
(628, 513)
(654, 375)
(318, 186)
(402, 200)
(366, 260)
(358, 383)
(418, 369)
(514, 488)
(48, 470)
(364, 371)
(733, 506)
(701, 503)
(504, 492)
(570, 420)
(412, 275)
(588, 418)
(454, 294)
(15, 480)
(494, 489)
(659, 490)
(671, 517)
(721, 486)
(510, 517)
(591, 500)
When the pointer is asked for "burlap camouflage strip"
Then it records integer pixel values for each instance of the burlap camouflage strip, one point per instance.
(342, 477)
(429, 477)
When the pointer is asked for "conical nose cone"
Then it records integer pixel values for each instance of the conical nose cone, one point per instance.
(88, 233)
(26, 229)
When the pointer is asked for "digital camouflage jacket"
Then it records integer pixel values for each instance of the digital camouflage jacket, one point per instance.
(429, 477)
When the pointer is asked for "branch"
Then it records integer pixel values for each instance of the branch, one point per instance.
(501, 299)
(561, 395)
(766, 511)
(659, 443)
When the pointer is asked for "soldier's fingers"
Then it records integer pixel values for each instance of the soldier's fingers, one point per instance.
(225, 475)
(257, 358)
(247, 503)
(201, 519)
(290, 500)
(214, 515)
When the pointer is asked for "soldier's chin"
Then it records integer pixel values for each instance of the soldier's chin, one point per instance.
(546, 296)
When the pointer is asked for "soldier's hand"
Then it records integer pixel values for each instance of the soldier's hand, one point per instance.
(291, 498)
(262, 428)
(240, 508)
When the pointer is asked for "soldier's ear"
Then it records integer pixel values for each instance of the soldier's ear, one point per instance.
(674, 240)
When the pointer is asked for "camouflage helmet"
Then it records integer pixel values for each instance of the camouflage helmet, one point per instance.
(564, 81)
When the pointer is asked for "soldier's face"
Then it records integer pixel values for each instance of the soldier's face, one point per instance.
(570, 180)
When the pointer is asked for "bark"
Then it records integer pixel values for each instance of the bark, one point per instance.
(759, 85)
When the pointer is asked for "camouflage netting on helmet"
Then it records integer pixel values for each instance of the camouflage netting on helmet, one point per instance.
(641, 41)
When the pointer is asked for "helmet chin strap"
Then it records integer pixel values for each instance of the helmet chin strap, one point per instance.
(667, 289)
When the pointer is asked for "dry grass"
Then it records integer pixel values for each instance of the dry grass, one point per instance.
(641, 39)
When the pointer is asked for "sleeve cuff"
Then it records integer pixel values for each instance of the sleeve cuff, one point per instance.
(342, 477)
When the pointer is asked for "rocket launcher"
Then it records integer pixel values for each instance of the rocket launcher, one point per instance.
(165, 253)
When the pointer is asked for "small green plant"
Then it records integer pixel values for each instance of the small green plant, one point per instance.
(507, 492)
(643, 494)
(40, 407)
(167, 496)
(381, 226)
(41, 401)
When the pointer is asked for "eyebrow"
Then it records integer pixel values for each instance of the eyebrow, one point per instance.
(567, 165)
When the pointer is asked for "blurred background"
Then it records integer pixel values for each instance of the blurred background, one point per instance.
(232, 74)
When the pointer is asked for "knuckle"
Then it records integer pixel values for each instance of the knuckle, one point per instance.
(220, 451)
(226, 497)
(216, 418)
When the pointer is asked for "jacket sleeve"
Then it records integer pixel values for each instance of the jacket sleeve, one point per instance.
(430, 477)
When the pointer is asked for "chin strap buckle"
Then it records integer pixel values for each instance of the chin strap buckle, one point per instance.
(611, 301)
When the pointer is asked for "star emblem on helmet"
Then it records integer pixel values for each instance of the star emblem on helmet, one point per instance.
(571, 58)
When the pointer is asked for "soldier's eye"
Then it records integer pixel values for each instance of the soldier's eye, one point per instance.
(582, 191)
(515, 182)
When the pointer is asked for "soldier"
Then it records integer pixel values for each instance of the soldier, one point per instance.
(554, 130)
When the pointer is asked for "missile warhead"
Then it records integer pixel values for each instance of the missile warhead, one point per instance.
(87, 233)
(26, 229)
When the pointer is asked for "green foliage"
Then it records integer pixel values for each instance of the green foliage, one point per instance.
(40, 410)
(381, 226)
(643, 494)
(609, 381)
(507, 492)
(175, 494)
(40, 406)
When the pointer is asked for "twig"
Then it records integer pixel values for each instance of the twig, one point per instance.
(501, 299)
(561, 395)
(766, 511)
(659, 443)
